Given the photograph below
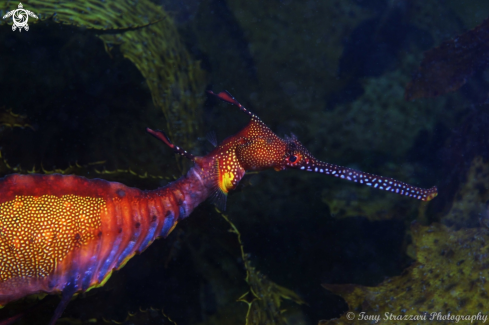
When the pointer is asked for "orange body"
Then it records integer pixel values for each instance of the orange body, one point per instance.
(57, 230)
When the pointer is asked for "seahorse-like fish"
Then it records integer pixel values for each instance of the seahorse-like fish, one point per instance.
(67, 234)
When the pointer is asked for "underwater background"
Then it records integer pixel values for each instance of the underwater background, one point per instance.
(397, 88)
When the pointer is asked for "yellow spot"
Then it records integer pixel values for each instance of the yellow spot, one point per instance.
(431, 196)
(226, 182)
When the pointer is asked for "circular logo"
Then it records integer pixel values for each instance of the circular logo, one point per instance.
(20, 18)
(350, 315)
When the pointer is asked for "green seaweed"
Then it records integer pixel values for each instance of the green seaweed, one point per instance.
(264, 297)
(11, 120)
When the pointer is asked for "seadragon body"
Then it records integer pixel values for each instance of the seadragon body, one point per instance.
(67, 234)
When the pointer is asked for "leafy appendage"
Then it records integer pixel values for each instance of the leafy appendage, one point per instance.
(264, 297)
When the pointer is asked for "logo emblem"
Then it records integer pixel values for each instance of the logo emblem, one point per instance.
(20, 17)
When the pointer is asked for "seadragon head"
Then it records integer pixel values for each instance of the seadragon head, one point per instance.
(256, 147)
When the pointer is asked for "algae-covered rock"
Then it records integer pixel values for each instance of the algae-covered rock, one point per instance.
(448, 277)
(469, 204)
(292, 48)
(380, 120)
(303, 63)
(449, 66)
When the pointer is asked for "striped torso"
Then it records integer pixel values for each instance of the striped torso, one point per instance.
(57, 230)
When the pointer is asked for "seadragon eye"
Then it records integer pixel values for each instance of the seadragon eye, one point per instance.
(293, 159)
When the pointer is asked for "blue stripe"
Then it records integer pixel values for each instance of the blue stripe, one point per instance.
(126, 252)
(167, 225)
(149, 238)
(181, 210)
(130, 246)
(108, 261)
(86, 279)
